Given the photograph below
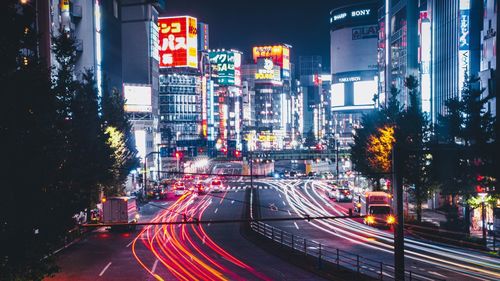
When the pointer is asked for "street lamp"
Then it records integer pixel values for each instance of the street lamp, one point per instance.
(337, 144)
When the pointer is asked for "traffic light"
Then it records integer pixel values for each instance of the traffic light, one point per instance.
(178, 154)
(237, 153)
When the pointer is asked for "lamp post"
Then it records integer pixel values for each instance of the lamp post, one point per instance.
(145, 170)
(337, 144)
(482, 195)
(399, 254)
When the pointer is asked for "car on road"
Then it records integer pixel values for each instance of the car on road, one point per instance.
(343, 195)
(200, 188)
(179, 188)
(216, 186)
(332, 192)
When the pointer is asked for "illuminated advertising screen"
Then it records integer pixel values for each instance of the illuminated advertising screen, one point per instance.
(463, 42)
(226, 66)
(280, 55)
(137, 98)
(267, 70)
(178, 37)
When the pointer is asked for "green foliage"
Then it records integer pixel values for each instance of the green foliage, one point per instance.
(411, 133)
(116, 124)
(370, 124)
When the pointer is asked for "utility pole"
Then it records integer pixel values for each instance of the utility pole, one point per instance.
(145, 172)
(251, 172)
(399, 254)
(158, 162)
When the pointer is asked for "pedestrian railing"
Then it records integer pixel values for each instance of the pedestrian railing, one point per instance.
(358, 265)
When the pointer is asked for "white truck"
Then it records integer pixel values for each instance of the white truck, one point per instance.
(377, 209)
(120, 210)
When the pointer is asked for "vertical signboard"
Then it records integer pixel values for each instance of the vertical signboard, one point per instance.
(178, 42)
(192, 42)
(204, 128)
(237, 69)
(203, 36)
(463, 43)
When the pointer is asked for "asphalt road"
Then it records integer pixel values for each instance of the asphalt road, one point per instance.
(290, 198)
(178, 252)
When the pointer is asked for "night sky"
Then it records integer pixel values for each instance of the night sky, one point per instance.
(242, 24)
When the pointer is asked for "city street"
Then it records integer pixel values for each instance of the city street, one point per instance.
(173, 252)
(249, 140)
(300, 198)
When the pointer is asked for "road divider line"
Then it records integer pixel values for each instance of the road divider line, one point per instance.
(296, 225)
(289, 212)
(216, 209)
(128, 245)
(154, 266)
(104, 269)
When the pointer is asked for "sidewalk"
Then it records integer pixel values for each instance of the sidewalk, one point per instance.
(437, 217)
(433, 216)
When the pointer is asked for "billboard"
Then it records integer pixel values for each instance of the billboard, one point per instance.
(178, 37)
(203, 36)
(353, 49)
(463, 43)
(267, 70)
(227, 66)
(137, 98)
(280, 54)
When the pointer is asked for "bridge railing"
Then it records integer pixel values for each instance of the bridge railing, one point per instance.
(355, 263)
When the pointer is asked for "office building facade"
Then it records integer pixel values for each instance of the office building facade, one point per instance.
(354, 69)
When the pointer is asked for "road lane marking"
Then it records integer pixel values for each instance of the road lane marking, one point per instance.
(296, 225)
(284, 203)
(128, 245)
(289, 212)
(216, 209)
(435, 273)
(279, 195)
(154, 266)
(105, 268)
(232, 201)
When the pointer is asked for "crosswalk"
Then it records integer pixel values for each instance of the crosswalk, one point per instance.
(244, 187)
(237, 187)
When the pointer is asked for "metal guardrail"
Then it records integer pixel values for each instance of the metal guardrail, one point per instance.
(355, 263)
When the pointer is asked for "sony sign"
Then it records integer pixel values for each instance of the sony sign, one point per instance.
(358, 13)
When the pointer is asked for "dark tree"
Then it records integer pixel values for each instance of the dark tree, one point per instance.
(413, 133)
(120, 137)
(31, 141)
(464, 146)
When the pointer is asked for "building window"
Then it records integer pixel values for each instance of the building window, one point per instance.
(150, 144)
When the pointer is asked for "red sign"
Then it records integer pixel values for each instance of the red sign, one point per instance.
(178, 44)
